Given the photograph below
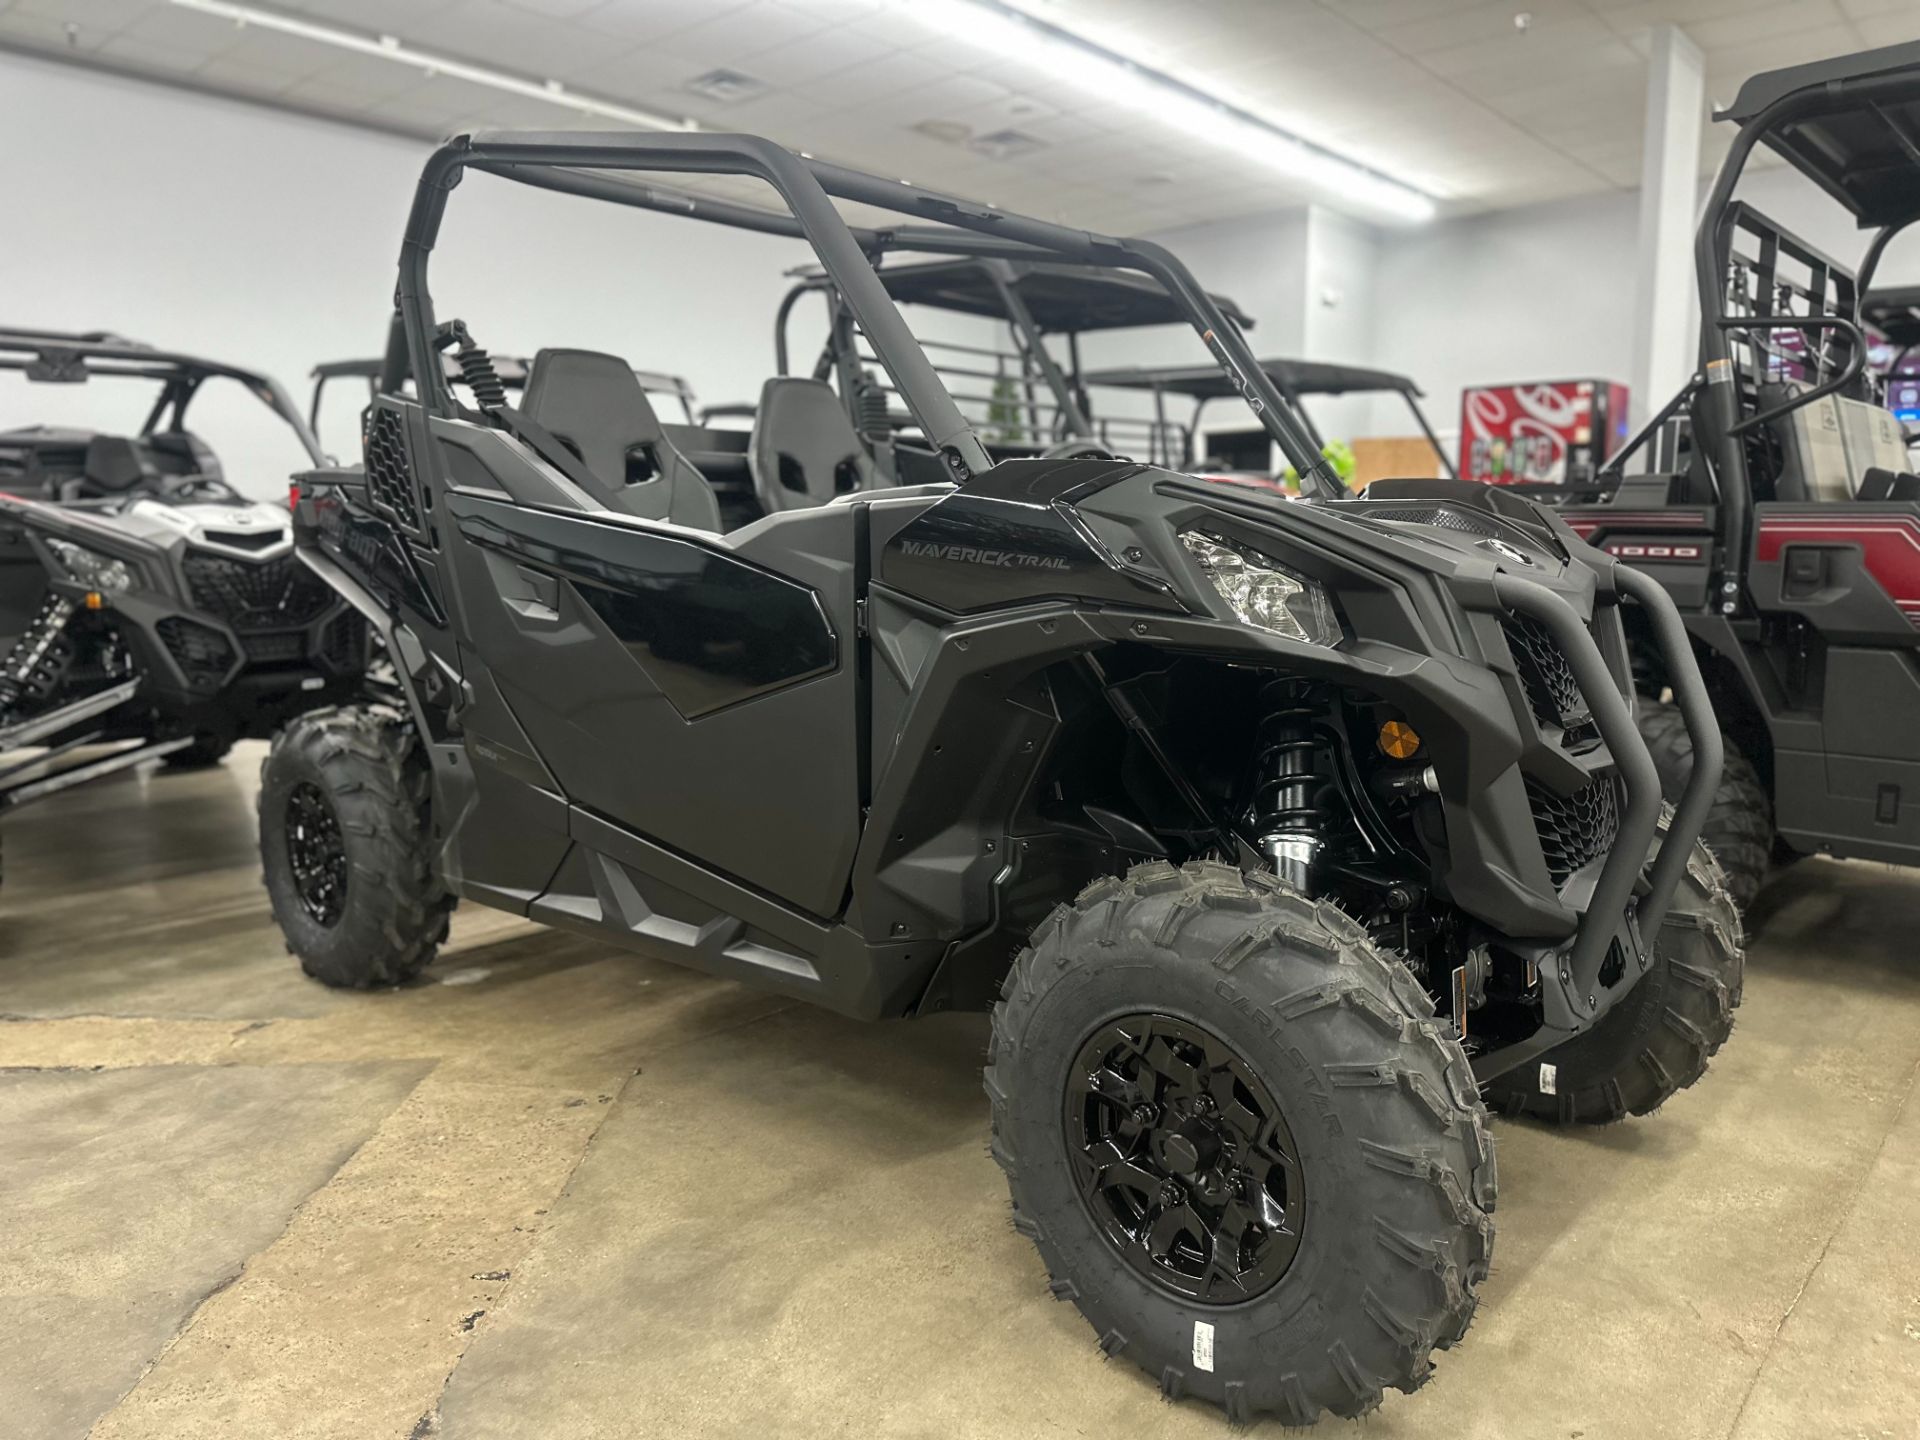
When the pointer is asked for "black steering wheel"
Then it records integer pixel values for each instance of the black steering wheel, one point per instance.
(1077, 449)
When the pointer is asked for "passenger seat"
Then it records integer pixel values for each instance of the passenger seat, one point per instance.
(804, 450)
(593, 404)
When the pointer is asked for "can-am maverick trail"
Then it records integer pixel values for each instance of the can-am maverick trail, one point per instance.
(145, 606)
(1267, 830)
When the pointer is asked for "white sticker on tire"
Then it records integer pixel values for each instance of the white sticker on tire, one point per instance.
(1549, 1079)
(1203, 1345)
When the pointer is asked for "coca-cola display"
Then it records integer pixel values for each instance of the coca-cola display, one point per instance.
(1540, 432)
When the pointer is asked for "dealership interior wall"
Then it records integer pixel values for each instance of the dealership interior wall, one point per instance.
(268, 236)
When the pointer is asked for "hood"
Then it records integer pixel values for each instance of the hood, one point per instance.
(243, 527)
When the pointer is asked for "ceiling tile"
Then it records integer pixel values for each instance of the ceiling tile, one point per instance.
(1447, 94)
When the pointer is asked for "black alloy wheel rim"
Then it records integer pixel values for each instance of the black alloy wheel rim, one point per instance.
(1184, 1159)
(317, 851)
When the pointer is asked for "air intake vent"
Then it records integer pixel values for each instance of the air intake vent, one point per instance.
(389, 476)
(1005, 144)
(726, 86)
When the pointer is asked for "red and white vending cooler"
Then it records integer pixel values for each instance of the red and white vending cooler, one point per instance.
(1545, 432)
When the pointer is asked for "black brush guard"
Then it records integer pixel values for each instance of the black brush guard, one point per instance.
(1631, 897)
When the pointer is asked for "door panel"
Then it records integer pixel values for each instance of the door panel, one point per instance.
(675, 687)
(1852, 568)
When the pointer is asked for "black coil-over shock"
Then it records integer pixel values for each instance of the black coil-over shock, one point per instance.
(1291, 779)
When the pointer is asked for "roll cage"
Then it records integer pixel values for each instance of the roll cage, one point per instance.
(65, 357)
(1295, 379)
(566, 162)
(1035, 299)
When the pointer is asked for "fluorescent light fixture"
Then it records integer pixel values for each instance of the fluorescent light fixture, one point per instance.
(1065, 56)
(388, 47)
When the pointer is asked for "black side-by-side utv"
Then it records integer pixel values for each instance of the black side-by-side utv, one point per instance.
(147, 609)
(1268, 831)
(1789, 536)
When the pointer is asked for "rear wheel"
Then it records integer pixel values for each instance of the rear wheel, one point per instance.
(1244, 1147)
(1657, 1039)
(344, 841)
(1739, 827)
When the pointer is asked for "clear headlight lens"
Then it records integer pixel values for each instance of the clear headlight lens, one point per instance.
(1264, 593)
(90, 568)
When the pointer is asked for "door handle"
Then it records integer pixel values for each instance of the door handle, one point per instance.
(1805, 574)
(532, 595)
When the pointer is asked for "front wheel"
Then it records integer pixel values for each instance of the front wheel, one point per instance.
(1657, 1039)
(344, 842)
(1244, 1147)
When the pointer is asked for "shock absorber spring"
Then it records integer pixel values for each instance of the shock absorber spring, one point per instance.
(38, 657)
(1292, 774)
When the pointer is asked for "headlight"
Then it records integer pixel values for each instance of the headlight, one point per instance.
(90, 568)
(1264, 593)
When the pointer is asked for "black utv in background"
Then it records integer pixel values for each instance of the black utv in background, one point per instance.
(1269, 832)
(145, 605)
(1789, 532)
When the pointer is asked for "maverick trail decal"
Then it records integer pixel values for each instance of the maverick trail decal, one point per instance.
(971, 555)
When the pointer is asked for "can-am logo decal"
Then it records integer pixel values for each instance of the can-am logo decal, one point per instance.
(967, 554)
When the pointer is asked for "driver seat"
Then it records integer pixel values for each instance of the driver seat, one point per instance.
(592, 403)
(804, 450)
(116, 464)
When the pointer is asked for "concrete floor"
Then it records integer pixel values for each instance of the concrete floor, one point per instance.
(558, 1191)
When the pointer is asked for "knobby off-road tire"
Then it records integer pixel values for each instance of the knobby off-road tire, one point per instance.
(1657, 1040)
(1739, 828)
(1390, 1136)
(352, 781)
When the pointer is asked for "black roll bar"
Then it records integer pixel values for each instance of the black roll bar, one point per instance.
(1703, 729)
(551, 160)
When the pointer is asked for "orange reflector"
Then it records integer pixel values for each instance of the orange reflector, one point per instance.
(1399, 740)
(95, 600)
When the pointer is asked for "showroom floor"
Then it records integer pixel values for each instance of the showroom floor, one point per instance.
(557, 1191)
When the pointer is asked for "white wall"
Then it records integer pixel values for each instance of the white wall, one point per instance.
(271, 240)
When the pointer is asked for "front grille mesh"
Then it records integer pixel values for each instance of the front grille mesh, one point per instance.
(199, 650)
(343, 644)
(1552, 692)
(1575, 829)
(253, 595)
(280, 649)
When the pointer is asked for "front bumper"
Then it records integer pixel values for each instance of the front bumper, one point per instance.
(1636, 882)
